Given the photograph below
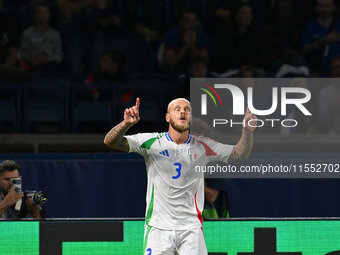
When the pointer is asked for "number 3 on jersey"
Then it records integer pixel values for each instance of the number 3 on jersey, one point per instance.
(178, 170)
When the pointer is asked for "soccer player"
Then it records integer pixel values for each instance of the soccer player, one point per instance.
(175, 192)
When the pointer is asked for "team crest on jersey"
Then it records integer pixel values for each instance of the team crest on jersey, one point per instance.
(192, 155)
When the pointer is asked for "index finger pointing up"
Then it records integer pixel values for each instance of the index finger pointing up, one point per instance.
(137, 103)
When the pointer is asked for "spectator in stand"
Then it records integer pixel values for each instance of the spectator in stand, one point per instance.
(10, 70)
(239, 44)
(147, 24)
(198, 68)
(177, 7)
(184, 42)
(146, 19)
(329, 101)
(40, 46)
(249, 72)
(219, 13)
(112, 17)
(321, 37)
(80, 26)
(282, 36)
(111, 68)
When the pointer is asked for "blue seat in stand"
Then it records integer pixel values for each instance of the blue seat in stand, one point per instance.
(46, 102)
(93, 104)
(10, 110)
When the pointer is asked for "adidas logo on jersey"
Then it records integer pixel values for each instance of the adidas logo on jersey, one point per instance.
(165, 153)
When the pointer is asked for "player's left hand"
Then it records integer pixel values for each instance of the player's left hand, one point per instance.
(247, 117)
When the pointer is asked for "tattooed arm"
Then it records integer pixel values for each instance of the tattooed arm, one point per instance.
(115, 137)
(243, 148)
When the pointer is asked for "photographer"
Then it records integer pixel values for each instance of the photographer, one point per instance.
(9, 197)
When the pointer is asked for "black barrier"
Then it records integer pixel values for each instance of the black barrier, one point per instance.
(76, 232)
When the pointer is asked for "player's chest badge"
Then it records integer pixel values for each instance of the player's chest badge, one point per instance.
(192, 155)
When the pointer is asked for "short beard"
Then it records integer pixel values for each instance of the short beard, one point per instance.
(179, 129)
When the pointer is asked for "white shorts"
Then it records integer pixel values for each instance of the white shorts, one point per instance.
(174, 242)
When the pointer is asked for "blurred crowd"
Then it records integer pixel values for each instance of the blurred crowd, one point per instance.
(111, 41)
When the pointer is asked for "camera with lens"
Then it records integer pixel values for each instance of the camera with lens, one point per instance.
(37, 197)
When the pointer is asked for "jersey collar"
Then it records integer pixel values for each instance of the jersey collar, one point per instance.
(169, 138)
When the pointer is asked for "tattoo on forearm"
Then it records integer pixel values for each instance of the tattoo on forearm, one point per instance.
(243, 147)
(115, 137)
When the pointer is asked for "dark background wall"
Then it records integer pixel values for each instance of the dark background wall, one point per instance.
(114, 185)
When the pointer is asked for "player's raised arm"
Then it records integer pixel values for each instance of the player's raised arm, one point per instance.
(244, 146)
(115, 137)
